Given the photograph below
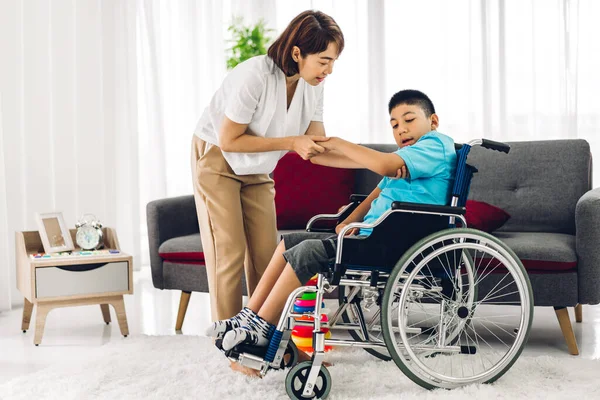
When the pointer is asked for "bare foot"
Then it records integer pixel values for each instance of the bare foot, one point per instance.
(245, 370)
(302, 356)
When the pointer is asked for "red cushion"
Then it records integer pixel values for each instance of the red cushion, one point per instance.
(303, 190)
(183, 256)
(484, 216)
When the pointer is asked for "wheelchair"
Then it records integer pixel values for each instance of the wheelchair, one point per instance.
(421, 290)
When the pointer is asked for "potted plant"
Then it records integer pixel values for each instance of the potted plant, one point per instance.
(248, 41)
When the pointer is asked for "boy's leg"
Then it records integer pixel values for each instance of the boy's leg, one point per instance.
(256, 301)
(273, 306)
(258, 332)
(305, 260)
(269, 278)
(276, 266)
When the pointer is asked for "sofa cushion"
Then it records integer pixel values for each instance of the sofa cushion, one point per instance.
(485, 217)
(537, 183)
(303, 190)
(184, 249)
(538, 251)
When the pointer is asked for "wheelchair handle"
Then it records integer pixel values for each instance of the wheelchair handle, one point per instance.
(493, 145)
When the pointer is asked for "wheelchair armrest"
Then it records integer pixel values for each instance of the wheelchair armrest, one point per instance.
(355, 200)
(358, 198)
(399, 205)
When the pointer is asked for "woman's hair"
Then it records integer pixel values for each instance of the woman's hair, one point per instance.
(311, 31)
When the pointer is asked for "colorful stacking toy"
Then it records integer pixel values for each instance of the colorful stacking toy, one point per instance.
(302, 334)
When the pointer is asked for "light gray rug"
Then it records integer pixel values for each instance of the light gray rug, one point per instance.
(187, 367)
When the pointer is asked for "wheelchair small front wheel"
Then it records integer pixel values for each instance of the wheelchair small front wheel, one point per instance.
(290, 357)
(296, 380)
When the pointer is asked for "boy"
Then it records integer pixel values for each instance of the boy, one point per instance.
(427, 160)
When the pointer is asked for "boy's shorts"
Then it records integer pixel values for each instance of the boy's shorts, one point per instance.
(309, 253)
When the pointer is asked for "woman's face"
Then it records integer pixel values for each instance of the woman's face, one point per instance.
(314, 68)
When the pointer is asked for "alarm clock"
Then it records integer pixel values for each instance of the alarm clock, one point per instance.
(89, 232)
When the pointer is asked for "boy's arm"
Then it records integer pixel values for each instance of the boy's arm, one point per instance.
(359, 212)
(334, 158)
(386, 164)
(330, 158)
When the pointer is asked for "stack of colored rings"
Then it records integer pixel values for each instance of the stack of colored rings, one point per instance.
(302, 334)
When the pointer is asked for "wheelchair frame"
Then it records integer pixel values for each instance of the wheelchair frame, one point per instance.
(357, 280)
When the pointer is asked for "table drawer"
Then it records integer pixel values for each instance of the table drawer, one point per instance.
(82, 279)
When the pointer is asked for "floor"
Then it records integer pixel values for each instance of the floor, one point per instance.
(70, 332)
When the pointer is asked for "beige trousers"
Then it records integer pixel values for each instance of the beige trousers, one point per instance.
(236, 214)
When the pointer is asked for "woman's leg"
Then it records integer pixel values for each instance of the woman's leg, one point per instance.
(217, 196)
(260, 225)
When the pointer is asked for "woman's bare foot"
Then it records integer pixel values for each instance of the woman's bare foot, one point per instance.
(245, 370)
(302, 356)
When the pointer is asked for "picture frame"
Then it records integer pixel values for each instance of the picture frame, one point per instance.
(54, 232)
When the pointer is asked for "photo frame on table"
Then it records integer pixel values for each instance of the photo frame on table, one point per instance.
(54, 232)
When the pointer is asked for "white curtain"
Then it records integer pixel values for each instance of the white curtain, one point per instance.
(4, 242)
(500, 69)
(68, 130)
(181, 64)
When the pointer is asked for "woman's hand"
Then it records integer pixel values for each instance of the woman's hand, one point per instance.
(307, 147)
(349, 232)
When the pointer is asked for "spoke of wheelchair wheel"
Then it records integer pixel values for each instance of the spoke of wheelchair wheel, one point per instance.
(494, 288)
(488, 329)
(447, 271)
(499, 327)
(487, 296)
(486, 271)
(496, 316)
(500, 296)
(481, 354)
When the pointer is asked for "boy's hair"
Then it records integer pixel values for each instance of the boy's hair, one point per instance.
(412, 98)
(311, 31)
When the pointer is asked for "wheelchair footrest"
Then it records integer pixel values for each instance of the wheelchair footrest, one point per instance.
(241, 348)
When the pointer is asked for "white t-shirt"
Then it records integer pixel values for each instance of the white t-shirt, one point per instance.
(254, 93)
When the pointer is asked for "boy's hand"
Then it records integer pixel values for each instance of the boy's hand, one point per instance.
(402, 173)
(350, 232)
(307, 147)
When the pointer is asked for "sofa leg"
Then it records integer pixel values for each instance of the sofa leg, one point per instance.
(562, 313)
(578, 313)
(183, 305)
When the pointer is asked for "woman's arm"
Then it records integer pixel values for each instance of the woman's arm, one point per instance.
(237, 138)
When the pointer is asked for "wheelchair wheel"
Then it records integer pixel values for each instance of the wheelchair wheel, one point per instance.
(372, 318)
(296, 379)
(454, 280)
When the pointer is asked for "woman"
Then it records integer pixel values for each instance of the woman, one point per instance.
(266, 106)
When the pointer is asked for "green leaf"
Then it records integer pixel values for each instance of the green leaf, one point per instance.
(246, 41)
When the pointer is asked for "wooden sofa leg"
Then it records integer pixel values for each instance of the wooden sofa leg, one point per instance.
(183, 305)
(578, 313)
(562, 313)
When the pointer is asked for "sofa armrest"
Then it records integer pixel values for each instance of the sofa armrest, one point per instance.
(167, 219)
(587, 223)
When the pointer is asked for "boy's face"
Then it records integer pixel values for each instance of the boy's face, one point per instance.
(409, 123)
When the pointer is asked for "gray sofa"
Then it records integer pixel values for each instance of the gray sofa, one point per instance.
(545, 186)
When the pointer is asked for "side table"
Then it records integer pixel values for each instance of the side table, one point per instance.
(72, 280)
